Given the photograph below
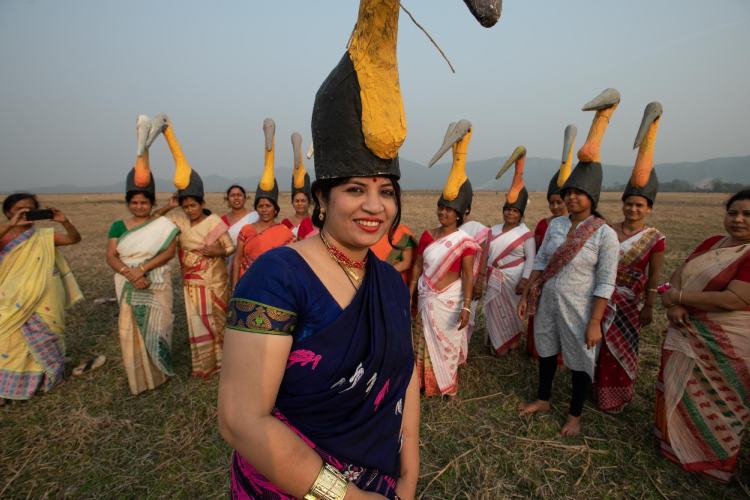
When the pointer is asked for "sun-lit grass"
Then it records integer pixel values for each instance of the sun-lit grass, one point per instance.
(89, 438)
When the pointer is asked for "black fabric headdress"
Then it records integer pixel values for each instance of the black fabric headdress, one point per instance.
(586, 177)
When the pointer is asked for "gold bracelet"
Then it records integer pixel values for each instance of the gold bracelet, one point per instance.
(653, 290)
(329, 485)
(122, 269)
(143, 270)
(679, 299)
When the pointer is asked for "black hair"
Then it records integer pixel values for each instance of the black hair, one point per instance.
(14, 198)
(324, 187)
(148, 194)
(307, 195)
(273, 202)
(594, 211)
(650, 203)
(197, 198)
(506, 206)
(743, 194)
(236, 186)
(459, 217)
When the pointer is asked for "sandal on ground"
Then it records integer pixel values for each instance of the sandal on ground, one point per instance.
(90, 364)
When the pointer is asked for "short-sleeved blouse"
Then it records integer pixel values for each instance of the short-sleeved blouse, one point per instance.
(117, 229)
(291, 301)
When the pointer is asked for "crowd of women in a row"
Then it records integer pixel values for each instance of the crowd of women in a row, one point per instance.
(704, 366)
(584, 287)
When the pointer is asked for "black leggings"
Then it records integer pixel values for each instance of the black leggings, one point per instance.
(580, 384)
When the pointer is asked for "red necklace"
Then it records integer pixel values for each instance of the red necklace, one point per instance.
(340, 257)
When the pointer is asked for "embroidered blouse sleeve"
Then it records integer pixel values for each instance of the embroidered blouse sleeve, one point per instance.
(265, 299)
(529, 253)
(606, 267)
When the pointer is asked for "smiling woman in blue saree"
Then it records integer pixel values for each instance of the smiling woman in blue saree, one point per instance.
(330, 379)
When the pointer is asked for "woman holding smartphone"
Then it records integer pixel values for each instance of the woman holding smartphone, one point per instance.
(36, 286)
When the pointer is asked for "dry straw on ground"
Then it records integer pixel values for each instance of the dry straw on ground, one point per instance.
(89, 438)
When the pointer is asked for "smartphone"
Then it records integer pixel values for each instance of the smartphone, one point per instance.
(41, 214)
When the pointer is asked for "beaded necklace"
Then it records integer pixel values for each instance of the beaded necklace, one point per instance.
(347, 264)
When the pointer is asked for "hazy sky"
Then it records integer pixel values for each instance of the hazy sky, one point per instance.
(74, 75)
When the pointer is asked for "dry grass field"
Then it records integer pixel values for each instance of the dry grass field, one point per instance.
(90, 438)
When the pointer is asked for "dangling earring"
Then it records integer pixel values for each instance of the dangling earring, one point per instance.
(322, 215)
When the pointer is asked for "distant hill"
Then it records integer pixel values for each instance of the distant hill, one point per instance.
(482, 173)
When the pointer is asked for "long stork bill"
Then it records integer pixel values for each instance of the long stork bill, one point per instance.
(457, 137)
(267, 177)
(158, 124)
(604, 104)
(517, 158)
(142, 165)
(372, 50)
(517, 153)
(182, 168)
(606, 99)
(298, 173)
(487, 12)
(645, 141)
(456, 131)
(566, 164)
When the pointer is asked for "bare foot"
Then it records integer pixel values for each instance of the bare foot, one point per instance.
(533, 407)
(572, 426)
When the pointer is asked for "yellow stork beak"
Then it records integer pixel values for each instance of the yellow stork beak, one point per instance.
(566, 164)
(456, 131)
(182, 168)
(298, 172)
(267, 178)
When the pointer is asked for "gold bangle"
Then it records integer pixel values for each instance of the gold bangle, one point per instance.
(679, 299)
(143, 270)
(653, 290)
(329, 485)
(122, 269)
